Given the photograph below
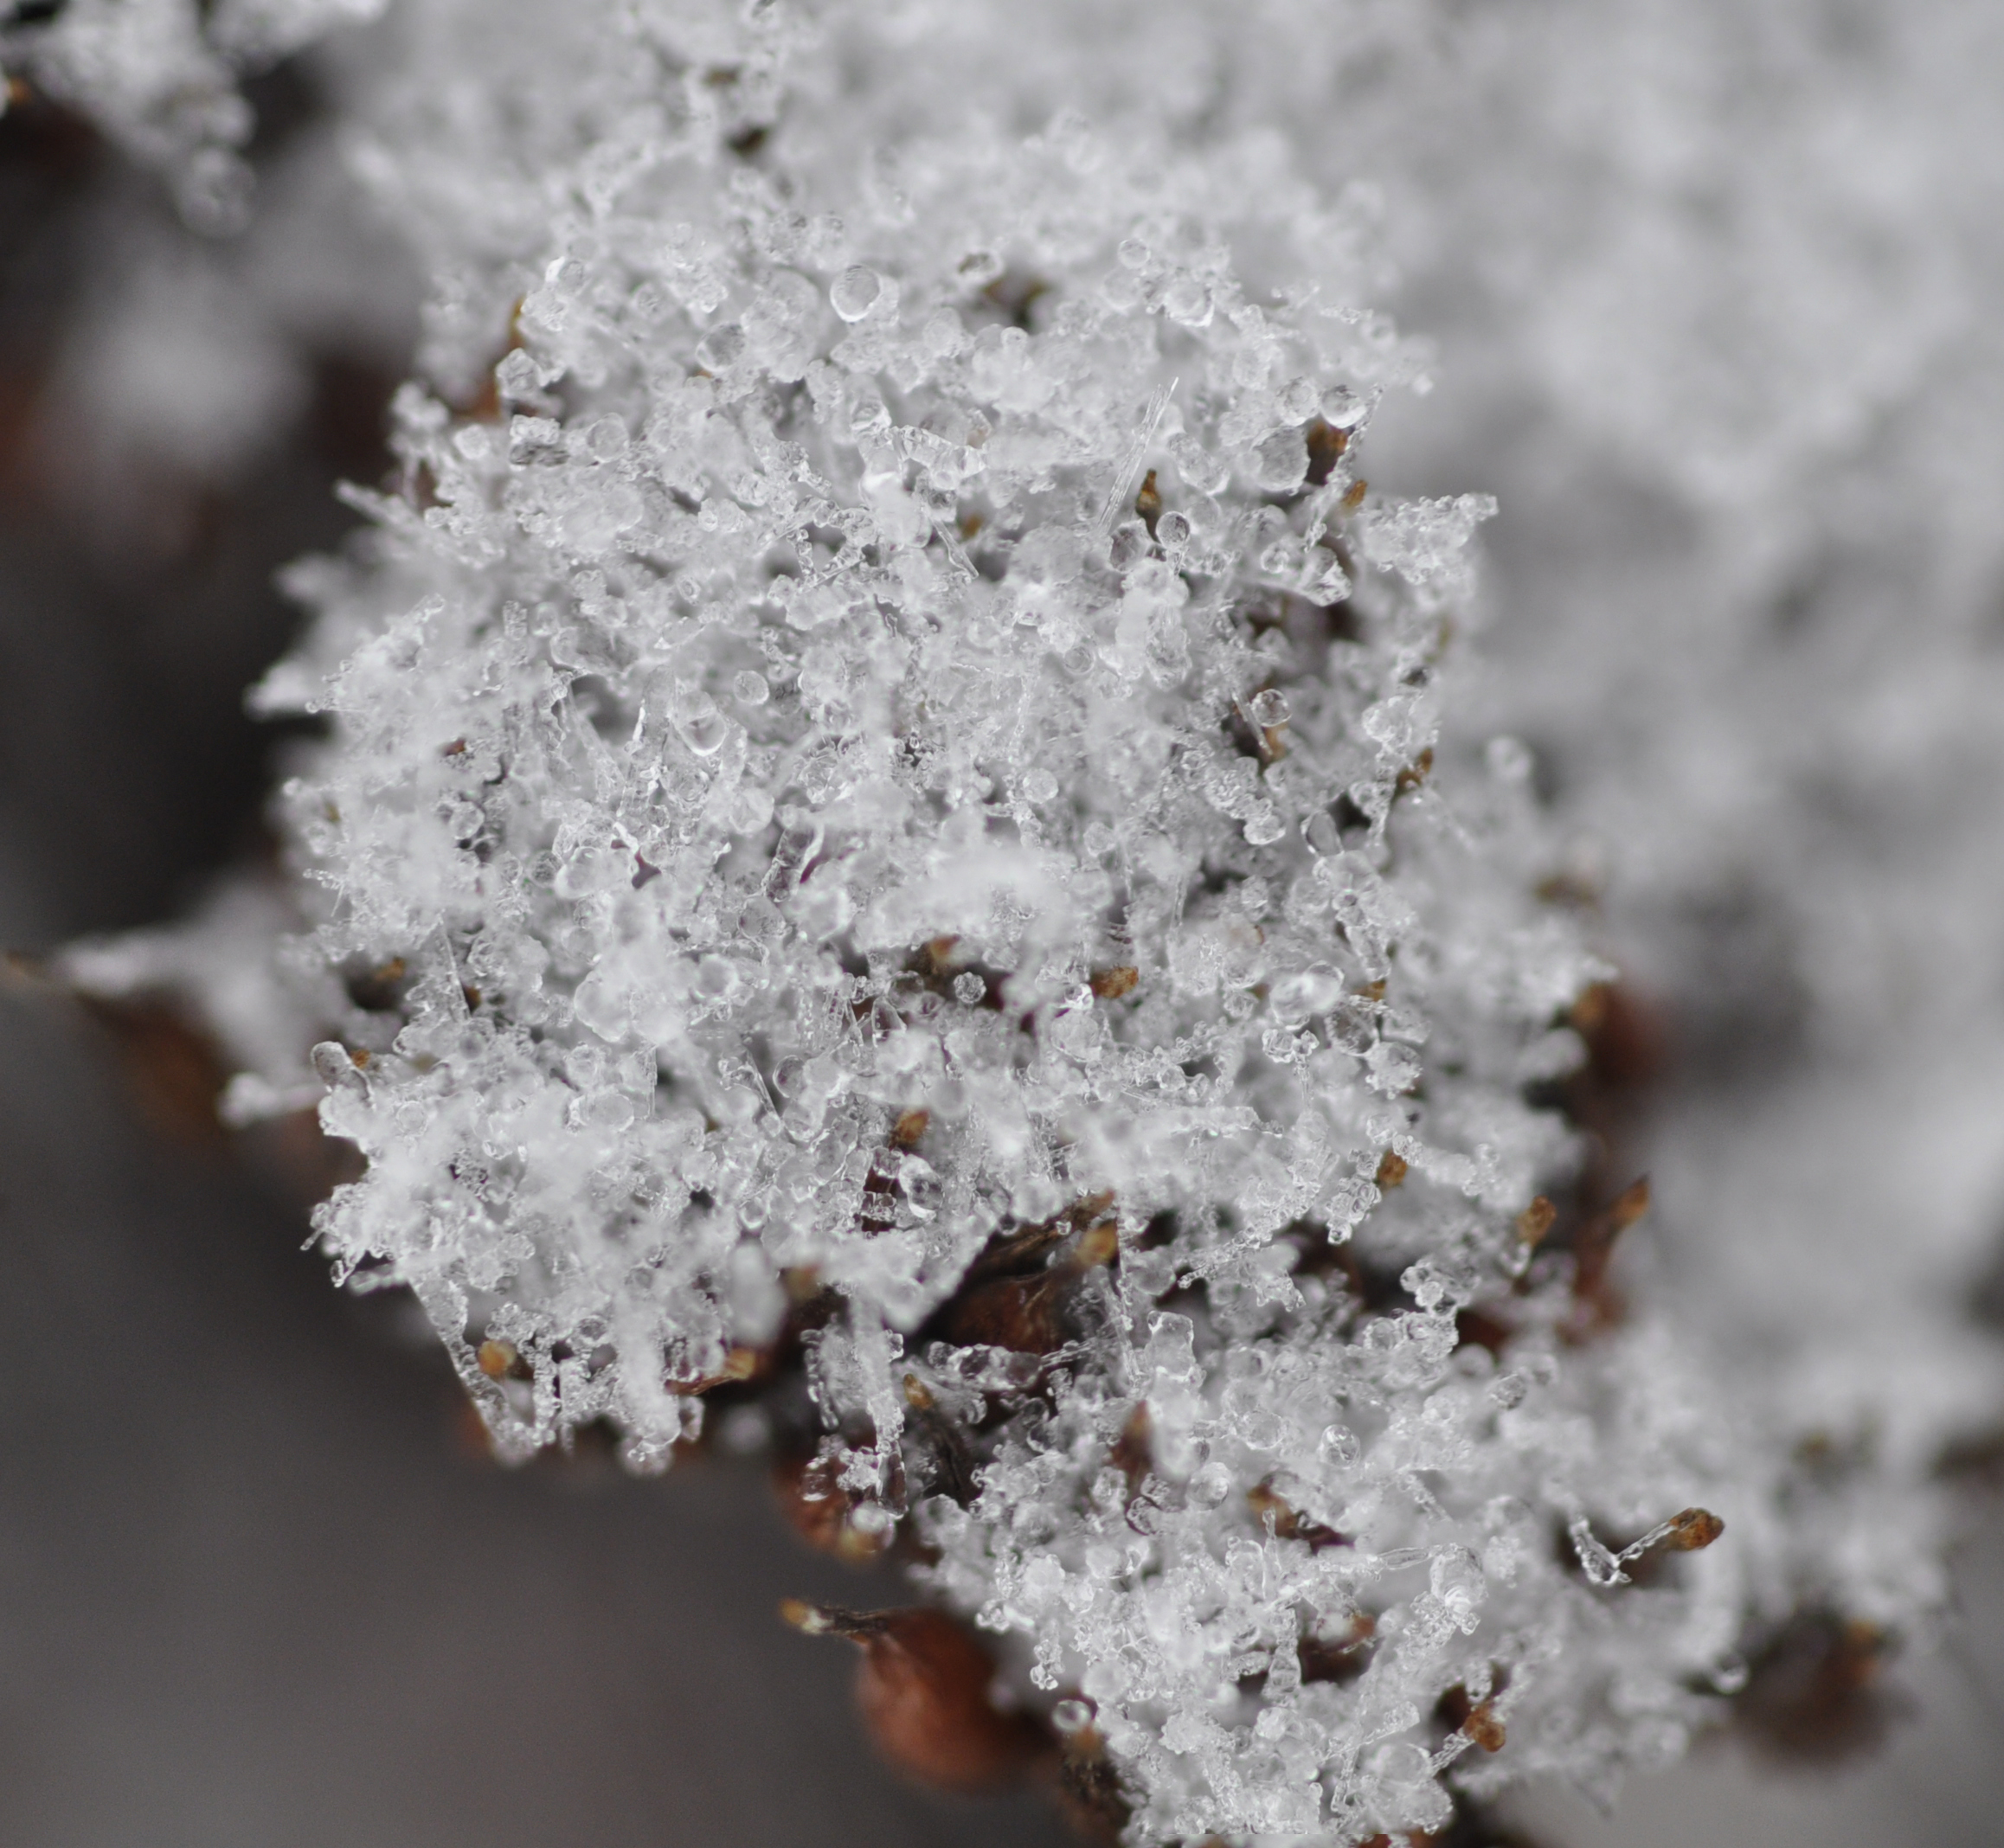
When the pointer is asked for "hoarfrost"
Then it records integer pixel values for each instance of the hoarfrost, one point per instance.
(886, 756)
(791, 826)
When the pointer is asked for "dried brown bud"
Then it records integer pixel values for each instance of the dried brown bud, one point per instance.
(923, 1689)
(1097, 1245)
(1476, 1720)
(1814, 1693)
(497, 1359)
(1392, 1170)
(1088, 1789)
(802, 1283)
(1536, 1220)
(1568, 887)
(909, 1129)
(1484, 1728)
(1600, 1304)
(1133, 1454)
(379, 990)
(1090, 1208)
(826, 1516)
(1110, 984)
(1038, 1311)
(1692, 1531)
(1627, 1041)
(1027, 1315)
(1629, 1206)
(1148, 503)
(1266, 1505)
(1484, 1328)
(1326, 447)
(740, 1364)
(1286, 1523)
(802, 1615)
(1338, 1658)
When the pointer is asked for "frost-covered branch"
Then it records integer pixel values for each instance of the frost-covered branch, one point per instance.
(910, 864)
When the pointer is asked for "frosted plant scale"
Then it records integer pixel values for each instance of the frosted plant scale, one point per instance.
(798, 840)
(891, 791)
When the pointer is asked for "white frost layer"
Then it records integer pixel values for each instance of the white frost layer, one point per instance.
(706, 617)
